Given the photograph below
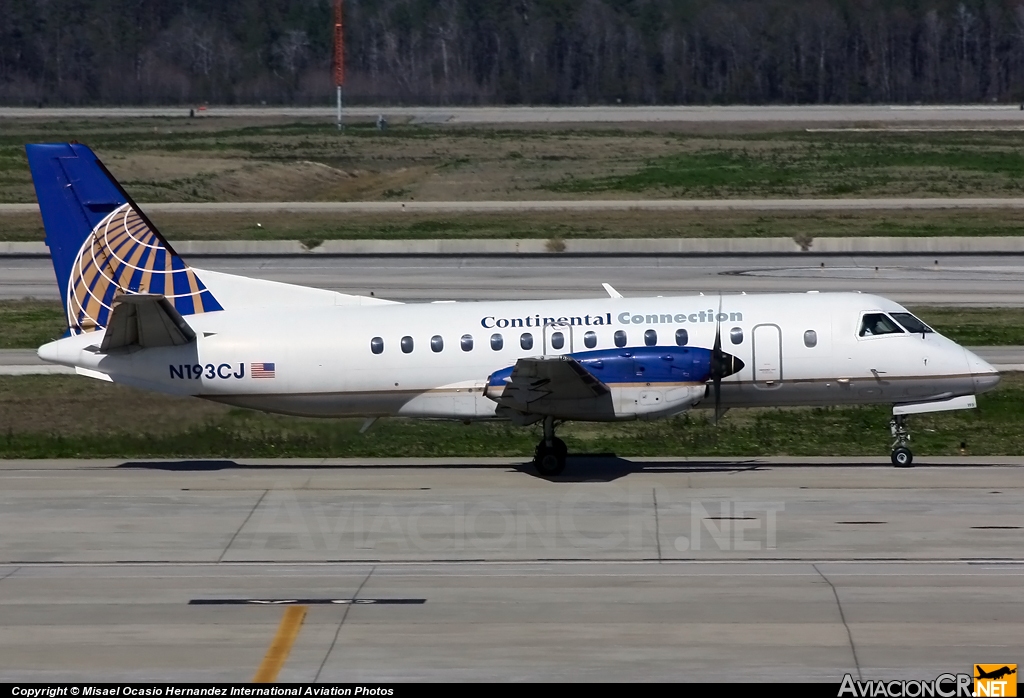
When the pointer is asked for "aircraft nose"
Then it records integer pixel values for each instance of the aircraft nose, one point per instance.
(986, 377)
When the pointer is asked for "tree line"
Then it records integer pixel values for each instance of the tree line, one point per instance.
(571, 52)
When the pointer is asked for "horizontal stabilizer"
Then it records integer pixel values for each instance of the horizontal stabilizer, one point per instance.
(90, 373)
(145, 320)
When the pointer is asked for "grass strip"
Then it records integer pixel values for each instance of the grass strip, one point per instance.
(65, 417)
(804, 227)
(238, 159)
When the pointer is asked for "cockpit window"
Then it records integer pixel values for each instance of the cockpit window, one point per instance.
(911, 323)
(878, 323)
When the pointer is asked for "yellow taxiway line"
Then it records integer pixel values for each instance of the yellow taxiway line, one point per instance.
(279, 649)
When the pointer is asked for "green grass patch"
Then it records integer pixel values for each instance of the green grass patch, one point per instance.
(688, 172)
(875, 164)
(28, 324)
(977, 327)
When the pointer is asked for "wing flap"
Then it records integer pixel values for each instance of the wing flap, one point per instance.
(145, 320)
(539, 383)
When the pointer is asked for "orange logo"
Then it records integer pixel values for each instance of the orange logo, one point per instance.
(997, 680)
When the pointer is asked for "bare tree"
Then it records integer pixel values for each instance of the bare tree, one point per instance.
(965, 22)
(290, 52)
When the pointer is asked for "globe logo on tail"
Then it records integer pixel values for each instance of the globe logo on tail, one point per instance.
(124, 255)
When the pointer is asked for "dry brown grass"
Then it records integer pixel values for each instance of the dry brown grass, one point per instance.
(274, 159)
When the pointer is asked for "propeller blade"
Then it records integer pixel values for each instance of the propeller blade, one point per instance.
(718, 400)
(718, 329)
(716, 362)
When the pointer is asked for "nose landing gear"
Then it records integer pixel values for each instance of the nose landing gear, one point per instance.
(549, 458)
(901, 456)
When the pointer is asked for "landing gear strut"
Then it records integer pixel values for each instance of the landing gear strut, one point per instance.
(901, 455)
(549, 458)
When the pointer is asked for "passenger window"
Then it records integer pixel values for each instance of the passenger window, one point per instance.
(590, 339)
(810, 338)
(682, 338)
(377, 345)
(911, 323)
(620, 338)
(436, 343)
(878, 323)
(650, 338)
(736, 335)
(467, 342)
(406, 345)
(557, 340)
(497, 342)
(526, 341)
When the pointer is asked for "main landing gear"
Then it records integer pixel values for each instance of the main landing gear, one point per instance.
(901, 455)
(549, 458)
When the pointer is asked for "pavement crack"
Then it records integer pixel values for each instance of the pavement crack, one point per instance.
(657, 526)
(251, 512)
(9, 574)
(842, 616)
(338, 631)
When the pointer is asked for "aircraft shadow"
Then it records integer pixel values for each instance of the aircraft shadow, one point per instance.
(199, 466)
(580, 468)
(186, 466)
(607, 467)
(589, 467)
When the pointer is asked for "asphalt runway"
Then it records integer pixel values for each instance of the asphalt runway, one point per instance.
(462, 569)
(855, 116)
(912, 280)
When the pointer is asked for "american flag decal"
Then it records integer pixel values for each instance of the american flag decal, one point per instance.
(261, 370)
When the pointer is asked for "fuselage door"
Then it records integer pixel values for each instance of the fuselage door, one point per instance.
(767, 356)
(558, 339)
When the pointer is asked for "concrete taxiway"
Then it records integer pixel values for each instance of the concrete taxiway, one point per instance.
(993, 280)
(475, 569)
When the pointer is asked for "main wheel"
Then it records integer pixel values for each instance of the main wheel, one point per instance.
(560, 448)
(902, 457)
(549, 460)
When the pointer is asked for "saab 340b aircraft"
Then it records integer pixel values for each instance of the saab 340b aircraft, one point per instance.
(138, 315)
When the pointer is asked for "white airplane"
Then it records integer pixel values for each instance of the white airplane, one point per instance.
(138, 315)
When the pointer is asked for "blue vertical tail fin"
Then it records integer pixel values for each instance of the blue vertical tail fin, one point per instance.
(101, 244)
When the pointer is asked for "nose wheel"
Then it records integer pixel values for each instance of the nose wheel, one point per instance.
(902, 457)
(549, 458)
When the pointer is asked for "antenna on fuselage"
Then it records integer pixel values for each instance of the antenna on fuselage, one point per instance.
(612, 293)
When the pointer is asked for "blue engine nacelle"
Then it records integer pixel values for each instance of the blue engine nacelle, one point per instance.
(637, 365)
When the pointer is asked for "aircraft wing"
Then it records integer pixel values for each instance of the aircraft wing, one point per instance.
(145, 320)
(543, 380)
